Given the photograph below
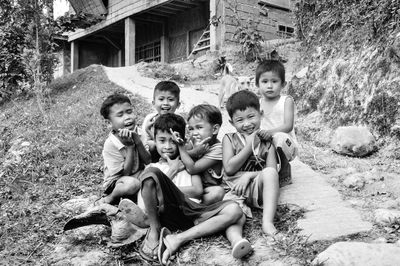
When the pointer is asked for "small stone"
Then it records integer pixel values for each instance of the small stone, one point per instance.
(380, 240)
(355, 181)
(386, 217)
(354, 141)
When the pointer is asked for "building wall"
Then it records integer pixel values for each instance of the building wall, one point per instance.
(185, 29)
(268, 26)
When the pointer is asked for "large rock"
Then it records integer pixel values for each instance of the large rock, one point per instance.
(353, 141)
(358, 253)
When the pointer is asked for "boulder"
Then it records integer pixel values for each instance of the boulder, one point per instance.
(354, 141)
(358, 253)
(386, 217)
(355, 181)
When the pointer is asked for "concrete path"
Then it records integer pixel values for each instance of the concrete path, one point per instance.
(328, 216)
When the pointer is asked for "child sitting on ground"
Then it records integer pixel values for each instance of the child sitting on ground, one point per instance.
(278, 113)
(249, 160)
(204, 122)
(168, 206)
(165, 100)
(124, 153)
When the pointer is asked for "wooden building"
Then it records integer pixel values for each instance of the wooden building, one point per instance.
(168, 30)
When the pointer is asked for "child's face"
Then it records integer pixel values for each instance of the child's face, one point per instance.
(200, 128)
(247, 121)
(270, 85)
(122, 116)
(165, 102)
(165, 145)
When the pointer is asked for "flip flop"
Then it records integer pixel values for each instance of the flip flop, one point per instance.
(162, 245)
(150, 254)
(133, 213)
(241, 249)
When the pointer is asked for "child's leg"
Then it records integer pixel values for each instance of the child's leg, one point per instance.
(149, 195)
(125, 186)
(229, 215)
(269, 183)
(213, 194)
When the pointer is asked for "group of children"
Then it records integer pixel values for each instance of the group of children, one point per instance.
(185, 179)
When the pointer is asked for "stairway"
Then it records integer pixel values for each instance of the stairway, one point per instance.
(203, 43)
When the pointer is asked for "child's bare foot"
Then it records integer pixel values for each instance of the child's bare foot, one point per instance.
(269, 228)
(172, 244)
(241, 248)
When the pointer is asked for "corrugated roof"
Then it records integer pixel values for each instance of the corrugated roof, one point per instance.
(95, 7)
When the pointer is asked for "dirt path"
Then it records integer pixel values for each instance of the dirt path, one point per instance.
(328, 215)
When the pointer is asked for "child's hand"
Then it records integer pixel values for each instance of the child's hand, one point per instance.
(264, 135)
(126, 136)
(149, 127)
(175, 165)
(176, 137)
(202, 147)
(240, 187)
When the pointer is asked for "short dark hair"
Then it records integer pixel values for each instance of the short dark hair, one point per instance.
(167, 85)
(207, 111)
(110, 101)
(169, 121)
(270, 65)
(242, 100)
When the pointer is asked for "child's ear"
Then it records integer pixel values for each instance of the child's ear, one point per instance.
(216, 128)
(284, 84)
(231, 122)
(152, 102)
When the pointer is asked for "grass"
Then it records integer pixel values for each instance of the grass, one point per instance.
(61, 159)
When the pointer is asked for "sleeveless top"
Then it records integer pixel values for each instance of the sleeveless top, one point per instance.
(258, 160)
(275, 117)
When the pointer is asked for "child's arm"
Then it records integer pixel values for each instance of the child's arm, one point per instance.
(147, 131)
(232, 162)
(271, 158)
(125, 136)
(143, 153)
(195, 167)
(195, 190)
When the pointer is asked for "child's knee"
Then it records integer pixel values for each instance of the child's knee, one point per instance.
(148, 183)
(218, 192)
(234, 211)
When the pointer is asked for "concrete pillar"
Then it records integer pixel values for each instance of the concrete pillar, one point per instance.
(164, 43)
(74, 56)
(130, 38)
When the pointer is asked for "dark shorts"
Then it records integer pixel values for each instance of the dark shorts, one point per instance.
(176, 210)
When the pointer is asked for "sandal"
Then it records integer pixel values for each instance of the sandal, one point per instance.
(162, 245)
(241, 249)
(148, 252)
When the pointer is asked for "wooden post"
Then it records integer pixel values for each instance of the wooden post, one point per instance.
(164, 43)
(74, 56)
(213, 29)
(130, 38)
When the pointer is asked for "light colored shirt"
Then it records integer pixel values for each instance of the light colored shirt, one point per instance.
(114, 156)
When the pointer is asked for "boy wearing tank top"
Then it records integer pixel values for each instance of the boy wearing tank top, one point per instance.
(278, 113)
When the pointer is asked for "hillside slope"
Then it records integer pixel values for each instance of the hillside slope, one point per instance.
(352, 50)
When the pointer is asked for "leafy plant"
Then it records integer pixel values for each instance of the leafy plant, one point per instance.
(247, 34)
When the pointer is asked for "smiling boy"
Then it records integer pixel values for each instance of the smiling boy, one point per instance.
(124, 153)
(165, 100)
(250, 167)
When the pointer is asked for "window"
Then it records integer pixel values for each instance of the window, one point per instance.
(149, 52)
(285, 31)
